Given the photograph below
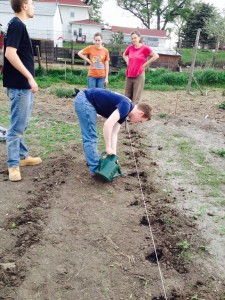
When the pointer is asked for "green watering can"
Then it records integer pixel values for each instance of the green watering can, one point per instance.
(108, 167)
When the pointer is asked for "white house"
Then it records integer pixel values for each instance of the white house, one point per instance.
(46, 24)
(71, 11)
(156, 39)
(84, 30)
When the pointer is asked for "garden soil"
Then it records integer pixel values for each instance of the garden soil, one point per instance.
(67, 236)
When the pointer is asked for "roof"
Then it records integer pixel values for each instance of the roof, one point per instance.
(86, 22)
(44, 9)
(66, 2)
(146, 32)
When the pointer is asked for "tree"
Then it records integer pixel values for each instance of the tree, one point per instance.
(117, 37)
(198, 18)
(215, 27)
(163, 11)
(96, 6)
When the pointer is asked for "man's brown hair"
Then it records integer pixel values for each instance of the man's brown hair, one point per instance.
(146, 108)
(17, 5)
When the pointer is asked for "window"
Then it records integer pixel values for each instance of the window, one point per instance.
(80, 32)
(72, 14)
(151, 41)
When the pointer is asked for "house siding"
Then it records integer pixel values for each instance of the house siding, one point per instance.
(87, 30)
(80, 13)
(47, 25)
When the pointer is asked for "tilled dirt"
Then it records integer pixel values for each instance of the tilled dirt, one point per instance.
(67, 236)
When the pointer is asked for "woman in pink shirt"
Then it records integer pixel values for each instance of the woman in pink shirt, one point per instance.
(136, 56)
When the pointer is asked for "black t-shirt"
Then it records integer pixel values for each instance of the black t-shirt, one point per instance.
(106, 102)
(17, 37)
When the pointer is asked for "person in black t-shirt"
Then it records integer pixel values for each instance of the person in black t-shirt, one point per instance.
(115, 108)
(18, 78)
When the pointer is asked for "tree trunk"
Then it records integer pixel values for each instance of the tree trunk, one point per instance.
(216, 51)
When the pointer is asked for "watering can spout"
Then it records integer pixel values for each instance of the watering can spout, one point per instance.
(108, 167)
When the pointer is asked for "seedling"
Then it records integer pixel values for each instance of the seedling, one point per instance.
(195, 297)
(183, 245)
(222, 104)
(19, 206)
(203, 248)
(201, 211)
(220, 152)
(13, 225)
(162, 115)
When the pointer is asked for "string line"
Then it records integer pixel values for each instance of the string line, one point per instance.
(146, 211)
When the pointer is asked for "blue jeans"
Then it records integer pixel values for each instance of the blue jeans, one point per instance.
(21, 103)
(87, 116)
(95, 82)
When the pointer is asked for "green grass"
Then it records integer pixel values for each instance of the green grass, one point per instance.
(51, 136)
(159, 79)
(63, 92)
(4, 116)
(194, 159)
(220, 152)
(204, 57)
(55, 136)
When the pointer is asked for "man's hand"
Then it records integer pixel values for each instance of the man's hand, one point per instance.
(109, 151)
(33, 85)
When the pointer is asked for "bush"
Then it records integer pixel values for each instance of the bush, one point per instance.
(222, 105)
(64, 93)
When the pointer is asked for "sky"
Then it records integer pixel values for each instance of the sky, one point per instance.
(114, 15)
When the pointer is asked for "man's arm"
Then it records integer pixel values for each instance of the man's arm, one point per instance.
(106, 72)
(13, 58)
(110, 132)
(116, 129)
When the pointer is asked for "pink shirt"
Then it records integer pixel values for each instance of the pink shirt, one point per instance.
(137, 57)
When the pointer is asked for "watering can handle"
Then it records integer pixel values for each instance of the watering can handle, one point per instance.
(104, 153)
(101, 157)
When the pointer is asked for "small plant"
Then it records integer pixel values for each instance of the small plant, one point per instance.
(201, 211)
(19, 206)
(168, 220)
(203, 248)
(183, 245)
(13, 225)
(195, 297)
(221, 230)
(222, 105)
(220, 152)
(162, 115)
(223, 93)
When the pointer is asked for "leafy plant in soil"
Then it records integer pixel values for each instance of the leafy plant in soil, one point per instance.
(220, 152)
(222, 104)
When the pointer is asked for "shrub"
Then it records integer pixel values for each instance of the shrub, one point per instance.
(222, 105)
(64, 93)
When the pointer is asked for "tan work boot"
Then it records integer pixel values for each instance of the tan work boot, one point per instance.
(30, 161)
(14, 174)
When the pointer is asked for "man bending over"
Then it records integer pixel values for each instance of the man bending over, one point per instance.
(112, 106)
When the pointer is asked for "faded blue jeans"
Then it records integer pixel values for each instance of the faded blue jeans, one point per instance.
(96, 82)
(21, 103)
(88, 123)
